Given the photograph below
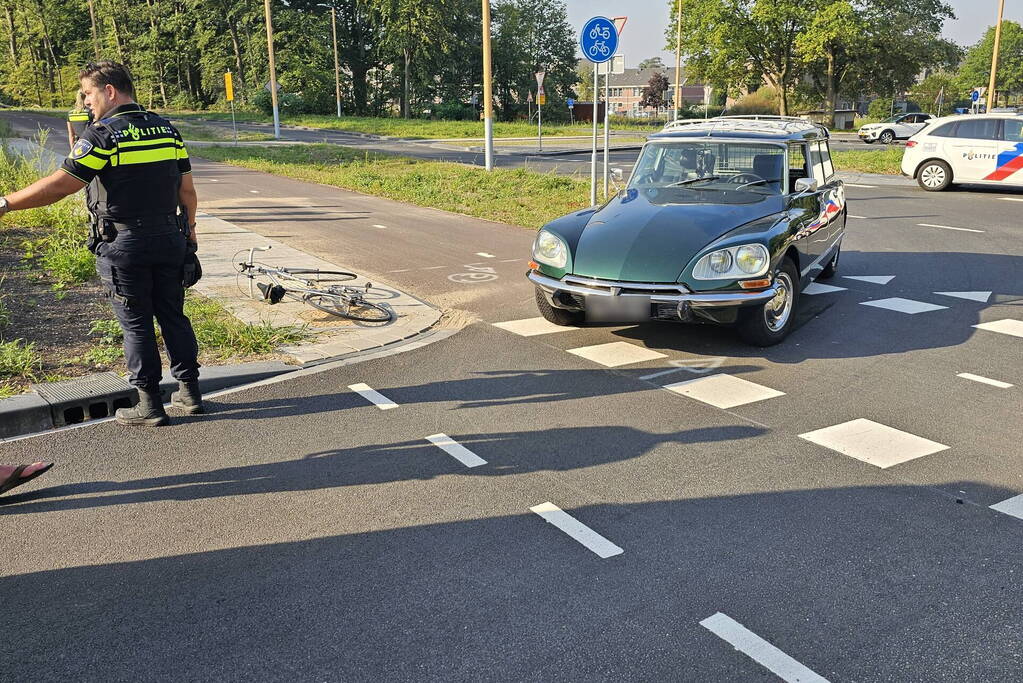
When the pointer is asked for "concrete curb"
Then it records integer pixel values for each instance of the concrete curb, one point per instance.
(33, 412)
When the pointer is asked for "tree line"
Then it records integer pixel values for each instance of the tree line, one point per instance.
(824, 49)
(396, 56)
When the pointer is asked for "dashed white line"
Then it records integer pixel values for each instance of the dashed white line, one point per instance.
(377, 225)
(1011, 199)
(947, 227)
(869, 187)
(434, 267)
(759, 650)
(254, 191)
(485, 254)
(1012, 506)
(510, 260)
(456, 450)
(577, 530)
(401, 270)
(858, 217)
(374, 397)
(214, 180)
(984, 380)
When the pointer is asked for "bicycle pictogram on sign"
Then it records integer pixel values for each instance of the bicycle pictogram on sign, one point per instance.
(598, 39)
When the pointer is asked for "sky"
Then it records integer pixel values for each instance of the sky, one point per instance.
(644, 32)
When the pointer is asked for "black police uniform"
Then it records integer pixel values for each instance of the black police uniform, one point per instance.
(133, 161)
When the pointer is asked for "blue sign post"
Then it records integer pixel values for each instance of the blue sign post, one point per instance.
(975, 96)
(598, 41)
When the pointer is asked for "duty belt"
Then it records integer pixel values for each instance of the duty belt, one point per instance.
(154, 224)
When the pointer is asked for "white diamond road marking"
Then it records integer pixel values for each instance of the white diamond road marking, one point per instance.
(982, 297)
(1013, 506)
(577, 530)
(873, 443)
(616, 353)
(759, 650)
(456, 450)
(947, 227)
(819, 288)
(984, 380)
(1007, 326)
(903, 305)
(872, 279)
(531, 327)
(374, 397)
(723, 390)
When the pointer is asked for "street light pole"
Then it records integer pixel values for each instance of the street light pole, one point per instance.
(488, 97)
(994, 56)
(678, 63)
(337, 65)
(273, 68)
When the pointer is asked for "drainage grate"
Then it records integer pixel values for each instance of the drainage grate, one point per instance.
(86, 398)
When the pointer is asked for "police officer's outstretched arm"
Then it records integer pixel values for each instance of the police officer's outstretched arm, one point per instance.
(48, 190)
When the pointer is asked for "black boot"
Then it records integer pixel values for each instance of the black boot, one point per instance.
(188, 398)
(149, 411)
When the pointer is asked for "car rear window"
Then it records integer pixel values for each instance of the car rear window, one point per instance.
(978, 129)
(946, 130)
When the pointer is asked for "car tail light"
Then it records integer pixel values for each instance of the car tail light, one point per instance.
(911, 143)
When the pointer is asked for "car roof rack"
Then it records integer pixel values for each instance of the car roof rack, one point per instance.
(735, 122)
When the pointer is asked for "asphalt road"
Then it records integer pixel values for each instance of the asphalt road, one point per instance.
(300, 532)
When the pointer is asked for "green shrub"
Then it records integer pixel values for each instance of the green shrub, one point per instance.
(880, 109)
(108, 331)
(763, 101)
(19, 360)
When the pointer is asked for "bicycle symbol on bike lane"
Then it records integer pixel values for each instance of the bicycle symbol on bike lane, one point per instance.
(479, 275)
(598, 39)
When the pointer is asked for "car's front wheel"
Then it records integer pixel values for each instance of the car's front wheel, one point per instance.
(887, 137)
(934, 175)
(770, 323)
(558, 316)
(868, 141)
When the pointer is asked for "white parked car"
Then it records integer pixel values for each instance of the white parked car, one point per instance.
(900, 127)
(986, 149)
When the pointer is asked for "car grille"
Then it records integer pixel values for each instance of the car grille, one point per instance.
(616, 288)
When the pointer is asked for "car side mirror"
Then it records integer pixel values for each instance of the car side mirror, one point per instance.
(617, 174)
(804, 186)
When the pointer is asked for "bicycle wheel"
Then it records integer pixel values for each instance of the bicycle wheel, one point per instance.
(321, 275)
(353, 309)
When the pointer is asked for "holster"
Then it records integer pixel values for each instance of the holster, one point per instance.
(107, 231)
(94, 238)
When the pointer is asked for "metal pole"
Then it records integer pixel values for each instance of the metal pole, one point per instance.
(607, 118)
(593, 157)
(273, 68)
(337, 65)
(488, 99)
(678, 64)
(539, 119)
(994, 56)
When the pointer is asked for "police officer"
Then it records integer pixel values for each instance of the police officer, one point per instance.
(139, 172)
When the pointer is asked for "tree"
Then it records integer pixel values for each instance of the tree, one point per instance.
(653, 93)
(651, 63)
(937, 93)
(832, 38)
(976, 67)
(737, 41)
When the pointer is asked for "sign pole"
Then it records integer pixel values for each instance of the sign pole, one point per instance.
(607, 119)
(337, 66)
(273, 68)
(229, 91)
(593, 157)
(541, 99)
(994, 56)
(488, 98)
(678, 65)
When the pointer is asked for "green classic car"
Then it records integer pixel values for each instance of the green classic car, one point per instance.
(722, 221)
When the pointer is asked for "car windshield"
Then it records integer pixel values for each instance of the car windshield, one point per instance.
(711, 166)
(892, 119)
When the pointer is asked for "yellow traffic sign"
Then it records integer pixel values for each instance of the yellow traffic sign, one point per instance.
(542, 99)
(229, 86)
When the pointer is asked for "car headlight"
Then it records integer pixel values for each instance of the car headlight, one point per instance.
(550, 249)
(733, 263)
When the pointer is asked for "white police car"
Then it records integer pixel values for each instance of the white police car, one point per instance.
(983, 149)
(896, 128)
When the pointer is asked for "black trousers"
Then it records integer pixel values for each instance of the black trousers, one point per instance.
(141, 271)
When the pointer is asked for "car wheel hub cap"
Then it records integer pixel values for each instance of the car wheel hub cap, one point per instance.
(934, 176)
(778, 309)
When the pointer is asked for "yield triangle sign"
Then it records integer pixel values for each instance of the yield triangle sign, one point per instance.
(619, 24)
(529, 98)
(982, 297)
(539, 78)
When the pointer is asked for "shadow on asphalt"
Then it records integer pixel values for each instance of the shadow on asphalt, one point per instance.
(857, 583)
(552, 450)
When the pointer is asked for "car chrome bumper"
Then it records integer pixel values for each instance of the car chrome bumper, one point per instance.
(658, 293)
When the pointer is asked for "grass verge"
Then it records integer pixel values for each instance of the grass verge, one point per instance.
(224, 336)
(192, 131)
(885, 161)
(516, 196)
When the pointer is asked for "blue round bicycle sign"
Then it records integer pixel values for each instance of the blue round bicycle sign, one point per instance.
(598, 39)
